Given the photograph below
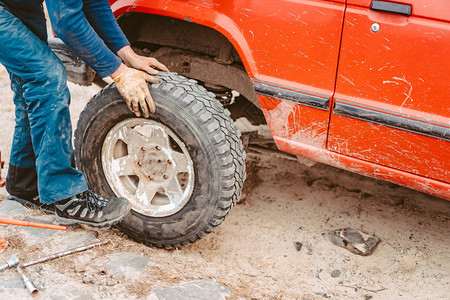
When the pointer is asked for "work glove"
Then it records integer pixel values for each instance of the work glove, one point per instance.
(132, 85)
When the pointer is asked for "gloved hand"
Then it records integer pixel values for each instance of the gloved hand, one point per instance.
(132, 85)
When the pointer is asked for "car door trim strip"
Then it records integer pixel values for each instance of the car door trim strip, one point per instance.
(421, 127)
(281, 93)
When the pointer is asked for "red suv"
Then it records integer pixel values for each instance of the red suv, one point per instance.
(358, 84)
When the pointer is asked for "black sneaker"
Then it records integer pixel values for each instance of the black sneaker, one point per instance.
(91, 209)
(34, 203)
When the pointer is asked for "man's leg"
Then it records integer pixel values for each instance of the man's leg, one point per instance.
(21, 180)
(46, 99)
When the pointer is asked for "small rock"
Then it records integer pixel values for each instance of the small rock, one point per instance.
(318, 274)
(242, 199)
(88, 278)
(354, 240)
(365, 195)
(10, 208)
(67, 291)
(309, 247)
(112, 281)
(38, 269)
(127, 262)
(335, 273)
(12, 283)
(359, 211)
(298, 246)
(80, 238)
(200, 290)
(40, 286)
(39, 234)
(79, 269)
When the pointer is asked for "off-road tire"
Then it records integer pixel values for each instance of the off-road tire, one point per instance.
(212, 140)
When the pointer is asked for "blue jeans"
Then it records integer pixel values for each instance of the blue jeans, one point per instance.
(41, 152)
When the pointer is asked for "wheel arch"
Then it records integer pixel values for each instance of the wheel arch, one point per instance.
(205, 15)
(193, 49)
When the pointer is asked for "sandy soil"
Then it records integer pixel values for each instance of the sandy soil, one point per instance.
(253, 252)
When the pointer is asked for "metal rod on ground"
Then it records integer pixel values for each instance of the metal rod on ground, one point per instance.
(63, 253)
(9, 264)
(28, 283)
(31, 224)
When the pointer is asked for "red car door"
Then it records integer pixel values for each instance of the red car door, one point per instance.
(295, 48)
(391, 103)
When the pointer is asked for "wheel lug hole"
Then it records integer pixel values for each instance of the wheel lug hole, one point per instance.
(143, 149)
(158, 148)
(149, 177)
(165, 176)
(169, 161)
(139, 163)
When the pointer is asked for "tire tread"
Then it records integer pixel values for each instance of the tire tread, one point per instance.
(222, 134)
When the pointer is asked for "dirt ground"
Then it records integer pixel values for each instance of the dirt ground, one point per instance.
(253, 252)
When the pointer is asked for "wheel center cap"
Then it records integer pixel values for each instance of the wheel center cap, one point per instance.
(156, 165)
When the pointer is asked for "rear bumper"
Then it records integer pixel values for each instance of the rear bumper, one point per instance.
(77, 70)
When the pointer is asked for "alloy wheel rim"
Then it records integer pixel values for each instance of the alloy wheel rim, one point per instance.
(145, 162)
